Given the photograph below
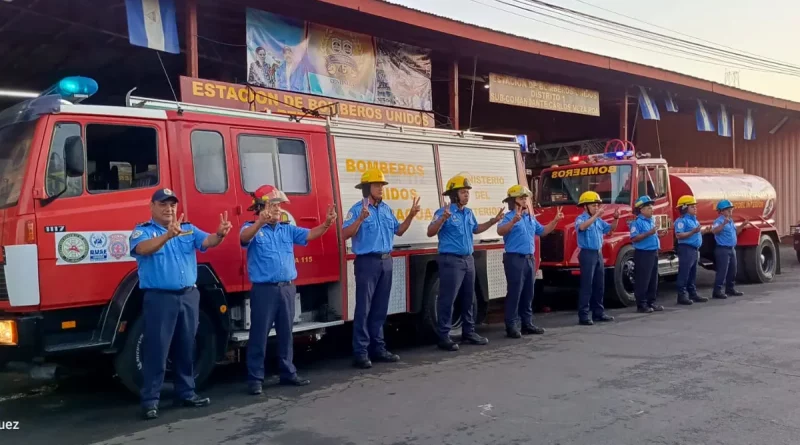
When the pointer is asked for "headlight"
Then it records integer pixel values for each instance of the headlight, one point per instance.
(8, 333)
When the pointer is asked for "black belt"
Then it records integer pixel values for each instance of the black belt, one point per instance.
(521, 255)
(170, 291)
(382, 256)
(455, 255)
(277, 284)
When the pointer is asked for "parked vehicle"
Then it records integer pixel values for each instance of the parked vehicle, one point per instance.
(795, 231)
(76, 179)
(620, 176)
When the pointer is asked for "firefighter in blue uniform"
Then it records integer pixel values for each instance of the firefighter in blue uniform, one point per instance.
(164, 249)
(591, 228)
(689, 233)
(519, 229)
(271, 267)
(645, 239)
(725, 234)
(456, 224)
(372, 226)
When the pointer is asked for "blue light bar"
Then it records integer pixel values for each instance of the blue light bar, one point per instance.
(74, 89)
(522, 140)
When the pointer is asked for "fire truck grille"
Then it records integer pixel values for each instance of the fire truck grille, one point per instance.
(3, 288)
(552, 246)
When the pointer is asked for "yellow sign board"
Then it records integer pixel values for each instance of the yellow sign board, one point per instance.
(546, 96)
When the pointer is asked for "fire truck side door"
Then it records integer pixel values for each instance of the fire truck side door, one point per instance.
(207, 163)
(281, 159)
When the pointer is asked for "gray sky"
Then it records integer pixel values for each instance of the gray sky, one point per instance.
(768, 28)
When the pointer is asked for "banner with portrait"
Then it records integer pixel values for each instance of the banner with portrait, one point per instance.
(293, 55)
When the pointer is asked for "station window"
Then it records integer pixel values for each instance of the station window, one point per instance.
(274, 161)
(208, 157)
(120, 157)
(56, 169)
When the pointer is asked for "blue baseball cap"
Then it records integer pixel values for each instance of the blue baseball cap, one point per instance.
(162, 195)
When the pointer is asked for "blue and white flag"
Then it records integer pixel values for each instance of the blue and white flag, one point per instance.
(704, 122)
(672, 106)
(749, 126)
(648, 106)
(723, 122)
(152, 24)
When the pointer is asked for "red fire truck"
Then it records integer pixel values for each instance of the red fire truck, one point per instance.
(620, 176)
(77, 178)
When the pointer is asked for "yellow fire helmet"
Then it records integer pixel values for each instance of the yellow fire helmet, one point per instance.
(518, 191)
(456, 183)
(589, 198)
(686, 200)
(370, 176)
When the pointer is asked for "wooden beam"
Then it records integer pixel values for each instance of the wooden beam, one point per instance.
(454, 94)
(623, 117)
(192, 64)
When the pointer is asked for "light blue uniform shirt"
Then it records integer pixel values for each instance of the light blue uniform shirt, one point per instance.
(521, 237)
(270, 254)
(592, 237)
(174, 266)
(455, 235)
(687, 223)
(727, 237)
(642, 225)
(376, 234)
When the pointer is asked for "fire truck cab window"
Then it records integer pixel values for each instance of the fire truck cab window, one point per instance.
(653, 182)
(56, 169)
(208, 157)
(120, 157)
(274, 161)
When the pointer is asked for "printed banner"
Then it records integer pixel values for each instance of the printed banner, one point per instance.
(243, 97)
(293, 55)
(520, 92)
(92, 247)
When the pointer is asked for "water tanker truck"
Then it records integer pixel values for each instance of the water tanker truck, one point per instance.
(620, 176)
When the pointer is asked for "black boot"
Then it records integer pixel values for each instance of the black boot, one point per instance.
(513, 333)
(733, 293)
(644, 309)
(719, 295)
(605, 318)
(532, 329)
(684, 299)
(698, 299)
(474, 339)
(448, 345)
(656, 307)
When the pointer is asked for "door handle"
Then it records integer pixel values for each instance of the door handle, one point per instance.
(309, 218)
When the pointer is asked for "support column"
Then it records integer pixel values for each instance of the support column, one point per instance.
(454, 94)
(623, 117)
(733, 140)
(192, 65)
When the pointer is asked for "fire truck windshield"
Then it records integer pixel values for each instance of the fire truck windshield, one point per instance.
(15, 144)
(565, 185)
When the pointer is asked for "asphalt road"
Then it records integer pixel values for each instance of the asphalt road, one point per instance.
(724, 372)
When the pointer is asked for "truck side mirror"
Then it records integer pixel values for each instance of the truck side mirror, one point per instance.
(73, 156)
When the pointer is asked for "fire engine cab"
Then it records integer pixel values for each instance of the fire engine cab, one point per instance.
(75, 180)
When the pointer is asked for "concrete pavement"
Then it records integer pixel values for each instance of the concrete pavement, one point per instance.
(723, 372)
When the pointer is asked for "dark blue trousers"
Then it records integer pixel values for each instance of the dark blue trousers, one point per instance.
(593, 283)
(456, 281)
(725, 267)
(170, 319)
(270, 304)
(519, 295)
(373, 289)
(645, 276)
(687, 269)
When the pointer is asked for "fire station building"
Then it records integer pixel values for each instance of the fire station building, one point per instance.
(374, 60)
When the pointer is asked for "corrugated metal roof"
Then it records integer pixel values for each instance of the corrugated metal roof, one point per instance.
(394, 11)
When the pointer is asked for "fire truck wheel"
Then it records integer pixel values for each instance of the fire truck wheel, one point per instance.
(128, 363)
(761, 261)
(429, 313)
(619, 292)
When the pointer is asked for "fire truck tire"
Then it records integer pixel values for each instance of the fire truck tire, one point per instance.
(619, 291)
(429, 312)
(761, 261)
(128, 363)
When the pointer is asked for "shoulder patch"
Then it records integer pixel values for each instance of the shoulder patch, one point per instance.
(136, 234)
(633, 229)
(349, 215)
(679, 224)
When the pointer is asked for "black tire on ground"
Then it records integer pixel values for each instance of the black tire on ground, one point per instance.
(128, 363)
(429, 310)
(619, 291)
(761, 261)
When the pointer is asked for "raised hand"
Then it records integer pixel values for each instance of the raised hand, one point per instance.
(364, 210)
(559, 214)
(600, 212)
(224, 225)
(498, 217)
(747, 223)
(268, 216)
(616, 213)
(446, 213)
(415, 208)
(330, 217)
(174, 228)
